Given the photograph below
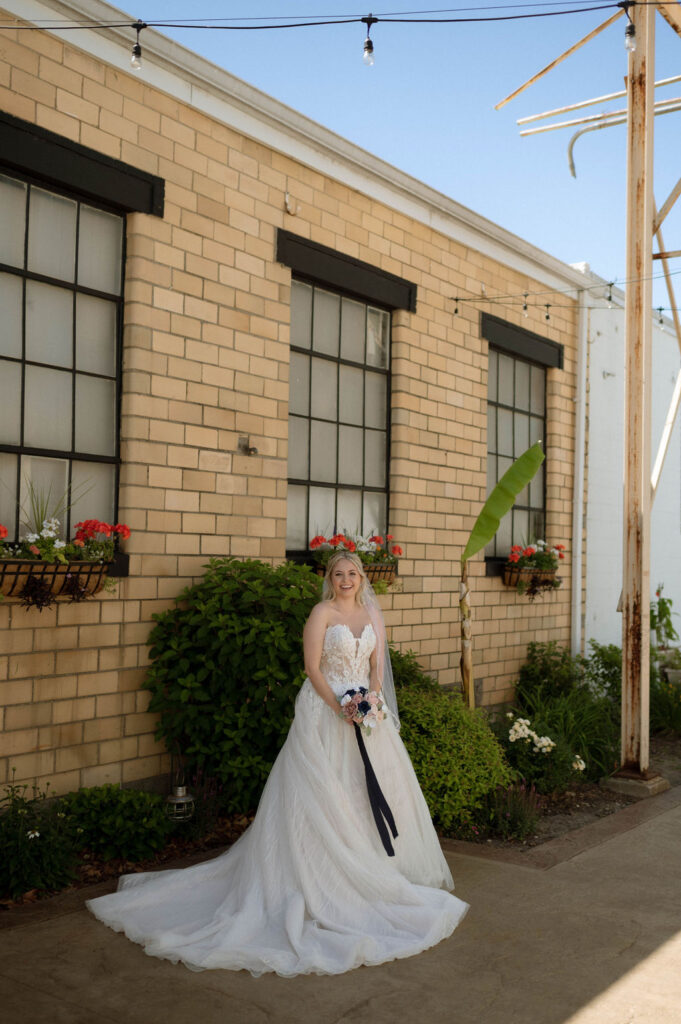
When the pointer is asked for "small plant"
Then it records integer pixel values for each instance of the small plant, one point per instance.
(36, 593)
(118, 823)
(374, 550)
(541, 563)
(512, 812)
(38, 843)
(661, 618)
(665, 706)
(603, 671)
(549, 670)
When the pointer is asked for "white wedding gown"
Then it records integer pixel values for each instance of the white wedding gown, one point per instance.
(308, 888)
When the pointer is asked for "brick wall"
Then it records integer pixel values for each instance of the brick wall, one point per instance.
(205, 361)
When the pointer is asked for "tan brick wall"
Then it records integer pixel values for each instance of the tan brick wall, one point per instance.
(205, 361)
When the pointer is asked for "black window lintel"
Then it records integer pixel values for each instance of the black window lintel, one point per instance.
(58, 161)
(519, 342)
(347, 274)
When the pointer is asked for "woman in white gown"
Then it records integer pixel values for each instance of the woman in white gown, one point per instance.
(309, 887)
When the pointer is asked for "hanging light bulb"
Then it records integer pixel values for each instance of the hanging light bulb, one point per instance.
(630, 37)
(609, 295)
(136, 58)
(368, 56)
(660, 318)
(525, 314)
(547, 315)
(456, 306)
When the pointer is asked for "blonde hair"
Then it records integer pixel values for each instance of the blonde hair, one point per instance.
(328, 593)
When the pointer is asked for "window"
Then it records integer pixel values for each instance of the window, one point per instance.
(516, 418)
(61, 274)
(338, 415)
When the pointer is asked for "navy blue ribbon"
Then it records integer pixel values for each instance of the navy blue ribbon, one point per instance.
(379, 805)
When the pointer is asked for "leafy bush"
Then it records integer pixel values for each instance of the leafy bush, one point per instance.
(227, 663)
(536, 753)
(118, 823)
(408, 674)
(603, 670)
(549, 670)
(455, 755)
(37, 844)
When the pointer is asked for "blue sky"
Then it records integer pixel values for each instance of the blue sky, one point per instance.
(427, 106)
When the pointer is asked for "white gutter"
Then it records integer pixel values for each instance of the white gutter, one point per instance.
(179, 72)
(578, 482)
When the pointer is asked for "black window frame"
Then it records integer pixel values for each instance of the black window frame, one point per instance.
(531, 348)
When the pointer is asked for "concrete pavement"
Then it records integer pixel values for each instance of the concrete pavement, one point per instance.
(585, 929)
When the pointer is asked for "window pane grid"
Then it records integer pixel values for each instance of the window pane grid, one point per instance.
(57, 366)
(516, 419)
(329, 389)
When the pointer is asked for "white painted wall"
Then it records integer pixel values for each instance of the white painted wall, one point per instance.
(605, 432)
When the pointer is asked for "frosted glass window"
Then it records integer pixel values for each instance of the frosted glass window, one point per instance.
(323, 440)
(537, 488)
(374, 458)
(10, 402)
(8, 491)
(326, 322)
(350, 392)
(10, 306)
(378, 337)
(93, 484)
(375, 400)
(299, 393)
(95, 415)
(49, 324)
(522, 385)
(538, 383)
(537, 430)
(521, 526)
(505, 537)
(374, 512)
(95, 335)
(350, 455)
(492, 376)
(322, 511)
(353, 329)
(49, 479)
(301, 314)
(492, 428)
(47, 408)
(349, 511)
(324, 389)
(100, 250)
(521, 438)
(13, 220)
(492, 478)
(296, 518)
(52, 235)
(298, 450)
(505, 379)
(505, 432)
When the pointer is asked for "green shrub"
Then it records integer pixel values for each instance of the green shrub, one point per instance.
(549, 670)
(665, 705)
(536, 753)
(455, 755)
(603, 670)
(585, 724)
(118, 823)
(37, 843)
(408, 674)
(512, 812)
(227, 663)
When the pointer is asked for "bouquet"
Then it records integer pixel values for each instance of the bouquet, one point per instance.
(363, 707)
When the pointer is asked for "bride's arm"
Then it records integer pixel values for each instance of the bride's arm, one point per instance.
(375, 682)
(313, 642)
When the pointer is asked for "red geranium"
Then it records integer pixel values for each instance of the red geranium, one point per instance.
(376, 540)
(396, 550)
(3, 531)
(317, 541)
(350, 545)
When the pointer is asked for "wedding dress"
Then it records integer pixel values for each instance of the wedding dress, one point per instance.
(308, 888)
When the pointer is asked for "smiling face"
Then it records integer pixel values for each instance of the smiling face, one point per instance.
(346, 579)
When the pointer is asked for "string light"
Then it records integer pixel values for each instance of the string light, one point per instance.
(547, 315)
(368, 56)
(456, 306)
(136, 58)
(609, 295)
(630, 30)
(525, 313)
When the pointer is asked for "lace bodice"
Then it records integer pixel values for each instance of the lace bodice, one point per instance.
(345, 657)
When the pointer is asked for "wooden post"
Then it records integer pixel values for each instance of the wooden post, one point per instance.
(638, 328)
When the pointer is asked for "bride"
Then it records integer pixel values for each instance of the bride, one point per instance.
(309, 887)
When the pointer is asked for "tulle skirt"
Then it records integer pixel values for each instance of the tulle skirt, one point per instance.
(308, 888)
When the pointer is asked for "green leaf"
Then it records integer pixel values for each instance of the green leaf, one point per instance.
(501, 499)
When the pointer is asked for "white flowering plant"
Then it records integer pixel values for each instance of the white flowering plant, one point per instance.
(536, 756)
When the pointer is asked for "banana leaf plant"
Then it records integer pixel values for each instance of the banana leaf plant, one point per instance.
(500, 501)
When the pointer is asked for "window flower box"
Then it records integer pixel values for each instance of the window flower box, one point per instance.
(377, 555)
(63, 580)
(534, 568)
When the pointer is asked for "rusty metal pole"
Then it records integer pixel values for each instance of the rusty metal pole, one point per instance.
(638, 327)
